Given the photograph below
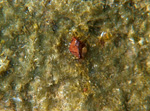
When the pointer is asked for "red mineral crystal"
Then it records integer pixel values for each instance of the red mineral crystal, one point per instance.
(76, 47)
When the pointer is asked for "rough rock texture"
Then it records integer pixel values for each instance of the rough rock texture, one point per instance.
(39, 72)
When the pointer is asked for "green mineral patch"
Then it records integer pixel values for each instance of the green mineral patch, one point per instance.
(38, 73)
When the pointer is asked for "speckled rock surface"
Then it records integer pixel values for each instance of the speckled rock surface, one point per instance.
(38, 73)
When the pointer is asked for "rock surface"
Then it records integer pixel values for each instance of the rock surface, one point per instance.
(42, 74)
